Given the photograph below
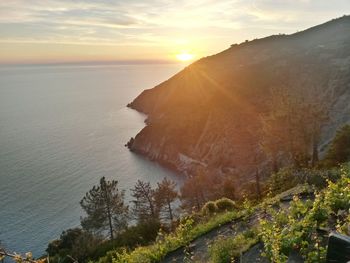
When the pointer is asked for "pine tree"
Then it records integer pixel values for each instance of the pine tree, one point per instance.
(292, 125)
(165, 195)
(105, 208)
(144, 202)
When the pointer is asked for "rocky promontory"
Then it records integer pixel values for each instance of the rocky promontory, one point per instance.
(209, 114)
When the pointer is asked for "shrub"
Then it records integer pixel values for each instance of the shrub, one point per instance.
(229, 248)
(297, 228)
(209, 208)
(74, 242)
(165, 243)
(140, 234)
(319, 178)
(283, 180)
(225, 204)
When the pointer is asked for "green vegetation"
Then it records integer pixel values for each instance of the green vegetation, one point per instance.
(299, 228)
(187, 231)
(225, 204)
(221, 205)
(197, 224)
(74, 242)
(230, 248)
(105, 208)
(292, 125)
(209, 208)
(339, 150)
(289, 177)
(302, 226)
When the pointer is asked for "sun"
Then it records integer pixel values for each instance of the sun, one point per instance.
(184, 56)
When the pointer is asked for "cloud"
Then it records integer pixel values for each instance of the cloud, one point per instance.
(209, 24)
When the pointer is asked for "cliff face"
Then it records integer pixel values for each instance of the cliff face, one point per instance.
(208, 114)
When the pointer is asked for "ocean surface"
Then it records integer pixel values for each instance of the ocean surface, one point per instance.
(61, 129)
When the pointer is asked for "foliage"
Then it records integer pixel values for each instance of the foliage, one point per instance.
(209, 208)
(18, 258)
(218, 206)
(289, 177)
(139, 235)
(105, 208)
(190, 227)
(144, 201)
(297, 228)
(204, 187)
(165, 195)
(339, 150)
(192, 192)
(228, 188)
(229, 248)
(225, 204)
(184, 233)
(75, 242)
(292, 125)
(283, 180)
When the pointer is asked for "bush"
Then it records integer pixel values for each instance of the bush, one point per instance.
(138, 235)
(229, 248)
(225, 204)
(297, 228)
(209, 208)
(319, 178)
(283, 180)
(74, 242)
(183, 234)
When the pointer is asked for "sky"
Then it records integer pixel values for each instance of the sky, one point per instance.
(56, 31)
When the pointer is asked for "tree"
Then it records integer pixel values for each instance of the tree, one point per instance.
(105, 208)
(165, 195)
(293, 123)
(73, 243)
(229, 188)
(339, 150)
(202, 187)
(144, 201)
(192, 195)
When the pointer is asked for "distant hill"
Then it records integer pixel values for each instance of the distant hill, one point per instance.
(207, 114)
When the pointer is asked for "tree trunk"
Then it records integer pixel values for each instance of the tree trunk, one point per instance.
(257, 177)
(170, 211)
(315, 158)
(197, 202)
(110, 221)
(274, 163)
(109, 215)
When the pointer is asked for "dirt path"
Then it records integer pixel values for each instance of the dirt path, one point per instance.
(198, 248)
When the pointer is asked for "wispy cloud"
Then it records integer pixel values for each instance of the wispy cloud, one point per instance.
(208, 25)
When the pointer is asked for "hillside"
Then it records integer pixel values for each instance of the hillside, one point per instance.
(293, 226)
(208, 115)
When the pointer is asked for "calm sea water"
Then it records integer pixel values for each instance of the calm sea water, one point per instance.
(61, 129)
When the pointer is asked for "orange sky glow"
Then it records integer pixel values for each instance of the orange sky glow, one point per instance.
(50, 31)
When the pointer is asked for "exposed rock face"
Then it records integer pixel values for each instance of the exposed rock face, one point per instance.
(207, 114)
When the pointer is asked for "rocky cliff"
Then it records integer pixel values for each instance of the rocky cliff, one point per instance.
(207, 115)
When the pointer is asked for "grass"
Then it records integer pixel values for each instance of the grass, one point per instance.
(182, 236)
(227, 249)
(188, 231)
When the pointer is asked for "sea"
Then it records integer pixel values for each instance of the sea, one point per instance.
(63, 127)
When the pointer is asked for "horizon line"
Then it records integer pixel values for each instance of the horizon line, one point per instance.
(90, 62)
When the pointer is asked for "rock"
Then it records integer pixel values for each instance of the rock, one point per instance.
(130, 143)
